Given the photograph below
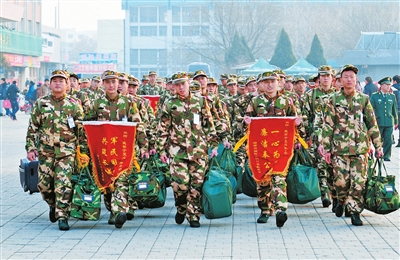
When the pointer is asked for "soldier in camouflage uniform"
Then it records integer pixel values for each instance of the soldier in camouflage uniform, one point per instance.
(53, 135)
(271, 103)
(95, 91)
(114, 107)
(222, 90)
(151, 88)
(349, 125)
(84, 85)
(184, 125)
(77, 94)
(313, 103)
(212, 86)
(145, 80)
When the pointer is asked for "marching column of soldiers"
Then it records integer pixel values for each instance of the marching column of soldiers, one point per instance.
(195, 114)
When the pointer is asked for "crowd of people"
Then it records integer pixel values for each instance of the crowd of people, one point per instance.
(195, 113)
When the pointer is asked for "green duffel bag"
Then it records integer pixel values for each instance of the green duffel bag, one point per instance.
(148, 186)
(86, 198)
(381, 195)
(214, 165)
(249, 185)
(227, 160)
(302, 179)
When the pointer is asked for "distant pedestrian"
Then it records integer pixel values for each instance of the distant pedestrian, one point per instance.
(3, 94)
(396, 92)
(12, 95)
(369, 87)
(385, 107)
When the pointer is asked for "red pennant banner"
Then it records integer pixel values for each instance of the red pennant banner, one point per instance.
(112, 150)
(153, 101)
(270, 146)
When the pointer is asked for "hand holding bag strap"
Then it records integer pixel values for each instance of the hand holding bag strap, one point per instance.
(153, 160)
(381, 163)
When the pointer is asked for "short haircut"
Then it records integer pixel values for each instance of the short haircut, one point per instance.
(396, 78)
(368, 79)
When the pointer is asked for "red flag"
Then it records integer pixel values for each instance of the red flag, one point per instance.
(270, 146)
(112, 150)
(153, 101)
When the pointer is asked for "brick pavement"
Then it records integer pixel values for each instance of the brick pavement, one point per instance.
(311, 232)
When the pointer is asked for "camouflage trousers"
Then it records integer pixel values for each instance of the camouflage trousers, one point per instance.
(272, 195)
(324, 171)
(187, 182)
(120, 195)
(349, 180)
(55, 183)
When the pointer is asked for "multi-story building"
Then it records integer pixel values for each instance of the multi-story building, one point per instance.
(158, 34)
(52, 57)
(21, 39)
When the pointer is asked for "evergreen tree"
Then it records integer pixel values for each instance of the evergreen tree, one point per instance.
(283, 55)
(316, 55)
(239, 52)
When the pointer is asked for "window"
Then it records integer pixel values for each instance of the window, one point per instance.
(176, 31)
(44, 41)
(50, 43)
(148, 30)
(134, 72)
(205, 30)
(190, 31)
(162, 14)
(148, 14)
(133, 14)
(205, 14)
(176, 14)
(134, 31)
(134, 56)
(148, 56)
(162, 56)
(190, 14)
(162, 31)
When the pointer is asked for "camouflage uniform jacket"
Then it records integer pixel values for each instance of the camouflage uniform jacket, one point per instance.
(295, 98)
(119, 109)
(187, 127)
(49, 131)
(312, 104)
(83, 100)
(150, 90)
(94, 94)
(349, 124)
(240, 106)
(222, 91)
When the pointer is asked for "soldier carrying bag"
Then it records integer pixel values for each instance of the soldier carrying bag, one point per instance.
(86, 198)
(380, 194)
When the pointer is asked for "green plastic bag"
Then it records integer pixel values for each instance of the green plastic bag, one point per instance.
(216, 199)
(249, 185)
(86, 198)
(148, 186)
(381, 195)
(302, 179)
(227, 161)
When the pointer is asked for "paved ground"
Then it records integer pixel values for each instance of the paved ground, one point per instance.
(311, 232)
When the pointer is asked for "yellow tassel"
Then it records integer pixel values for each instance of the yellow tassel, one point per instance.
(81, 157)
(240, 142)
(135, 162)
(301, 140)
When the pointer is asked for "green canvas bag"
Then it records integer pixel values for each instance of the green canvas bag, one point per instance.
(86, 198)
(249, 185)
(380, 194)
(302, 179)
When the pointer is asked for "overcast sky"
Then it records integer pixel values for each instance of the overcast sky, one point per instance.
(81, 15)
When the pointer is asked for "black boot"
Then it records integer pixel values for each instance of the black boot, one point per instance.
(355, 219)
(398, 144)
(334, 205)
(63, 224)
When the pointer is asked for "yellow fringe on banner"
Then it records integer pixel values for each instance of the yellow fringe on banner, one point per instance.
(240, 142)
(135, 162)
(301, 140)
(80, 156)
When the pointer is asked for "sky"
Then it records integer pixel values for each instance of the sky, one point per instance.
(81, 15)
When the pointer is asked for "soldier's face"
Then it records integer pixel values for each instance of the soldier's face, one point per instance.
(268, 86)
(203, 80)
(349, 79)
(325, 80)
(153, 78)
(289, 86)
(95, 83)
(73, 82)
(385, 88)
(132, 89)
(84, 84)
(58, 86)
(182, 89)
(252, 87)
(232, 88)
(223, 81)
(338, 84)
(300, 87)
(110, 86)
(212, 88)
(123, 87)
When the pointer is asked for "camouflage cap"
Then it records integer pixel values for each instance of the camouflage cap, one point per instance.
(338, 75)
(152, 72)
(109, 74)
(199, 73)
(224, 76)
(85, 80)
(73, 75)
(96, 78)
(349, 67)
(385, 80)
(194, 86)
(179, 77)
(145, 77)
(123, 76)
(241, 81)
(250, 79)
(268, 75)
(168, 80)
(160, 80)
(190, 75)
(231, 81)
(280, 73)
(298, 79)
(289, 78)
(211, 81)
(234, 76)
(325, 70)
(312, 78)
(59, 73)
(133, 81)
